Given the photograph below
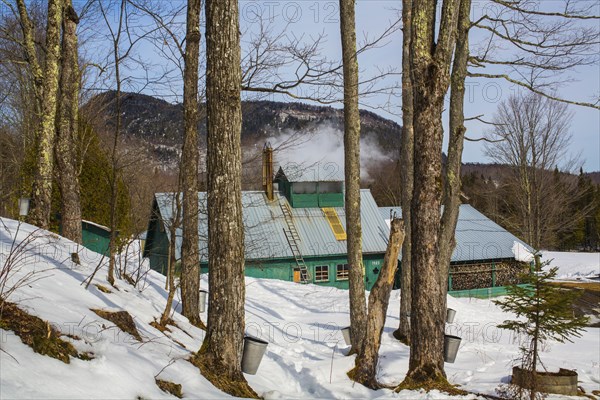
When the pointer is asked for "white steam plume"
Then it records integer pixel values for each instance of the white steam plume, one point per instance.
(324, 146)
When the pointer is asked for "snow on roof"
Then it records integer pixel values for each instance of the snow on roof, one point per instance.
(522, 253)
(106, 228)
(477, 236)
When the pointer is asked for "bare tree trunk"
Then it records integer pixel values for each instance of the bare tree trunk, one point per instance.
(112, 244)
(66, 157)
(356, 273)
(430, 67)
(190, 257)
(406, 175)
(42, 184)
(365, 371)
(174, 224)
(451, 199)
(221, 354)
(426, 358)
(114, 173)
(534, 133)
(31, 55)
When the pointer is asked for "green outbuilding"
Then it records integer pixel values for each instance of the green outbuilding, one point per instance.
(95, 237)
(295, 229)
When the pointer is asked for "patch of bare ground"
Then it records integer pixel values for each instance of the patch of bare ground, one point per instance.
(122, 319)
(38, 334)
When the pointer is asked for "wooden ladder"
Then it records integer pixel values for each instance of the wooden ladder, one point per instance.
(293, 239)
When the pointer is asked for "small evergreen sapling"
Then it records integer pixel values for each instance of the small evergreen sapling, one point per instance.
(544, 313)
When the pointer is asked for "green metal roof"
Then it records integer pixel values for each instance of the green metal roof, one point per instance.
(264, 224)
(477, 237)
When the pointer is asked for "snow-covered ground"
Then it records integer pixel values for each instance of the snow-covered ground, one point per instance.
(574, 265)
(305, 358)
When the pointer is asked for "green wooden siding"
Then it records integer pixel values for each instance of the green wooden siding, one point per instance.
(158, 243)
(95, 238)
(331, 199)
(284, 269)
(304, 200)
(481, 293)
(157, 251)
(310, 200)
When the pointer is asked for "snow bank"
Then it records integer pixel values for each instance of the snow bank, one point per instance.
(573, 265)
(306, 357)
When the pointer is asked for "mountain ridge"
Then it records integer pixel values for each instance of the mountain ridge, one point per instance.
(147, 116)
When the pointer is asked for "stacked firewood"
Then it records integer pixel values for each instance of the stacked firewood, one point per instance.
(484, 275)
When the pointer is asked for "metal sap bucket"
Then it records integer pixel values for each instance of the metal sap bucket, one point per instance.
(254, 349)
(202, 301)
(347, 336)
(451, 345)
(450, 313)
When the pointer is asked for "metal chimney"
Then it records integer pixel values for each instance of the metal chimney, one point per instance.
(267, 164)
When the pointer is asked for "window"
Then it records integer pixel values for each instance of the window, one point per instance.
(322, 273)
(331, 187)
(341, 273)
(304, 187)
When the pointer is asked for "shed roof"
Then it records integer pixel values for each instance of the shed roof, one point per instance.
(264, 223)
(317, 172)
(477, 237)
(90, 223)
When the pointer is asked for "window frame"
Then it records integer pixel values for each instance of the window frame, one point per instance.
(318, 273)
(347, 272)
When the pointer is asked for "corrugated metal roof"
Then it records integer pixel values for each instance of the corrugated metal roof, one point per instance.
(318, 172)
(264, 224)
(477, 236)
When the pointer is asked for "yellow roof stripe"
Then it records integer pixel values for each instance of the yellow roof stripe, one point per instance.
(334, 223)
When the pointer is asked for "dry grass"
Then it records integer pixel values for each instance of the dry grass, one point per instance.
(163, 329)
(169, 387)
(38, 334)
(587, 303)
(236, 388)
(438, 383)
(122, 319)
(103, 289)
(592, 286)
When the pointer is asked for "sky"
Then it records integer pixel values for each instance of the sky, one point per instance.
(483, 96)
(304, 20)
